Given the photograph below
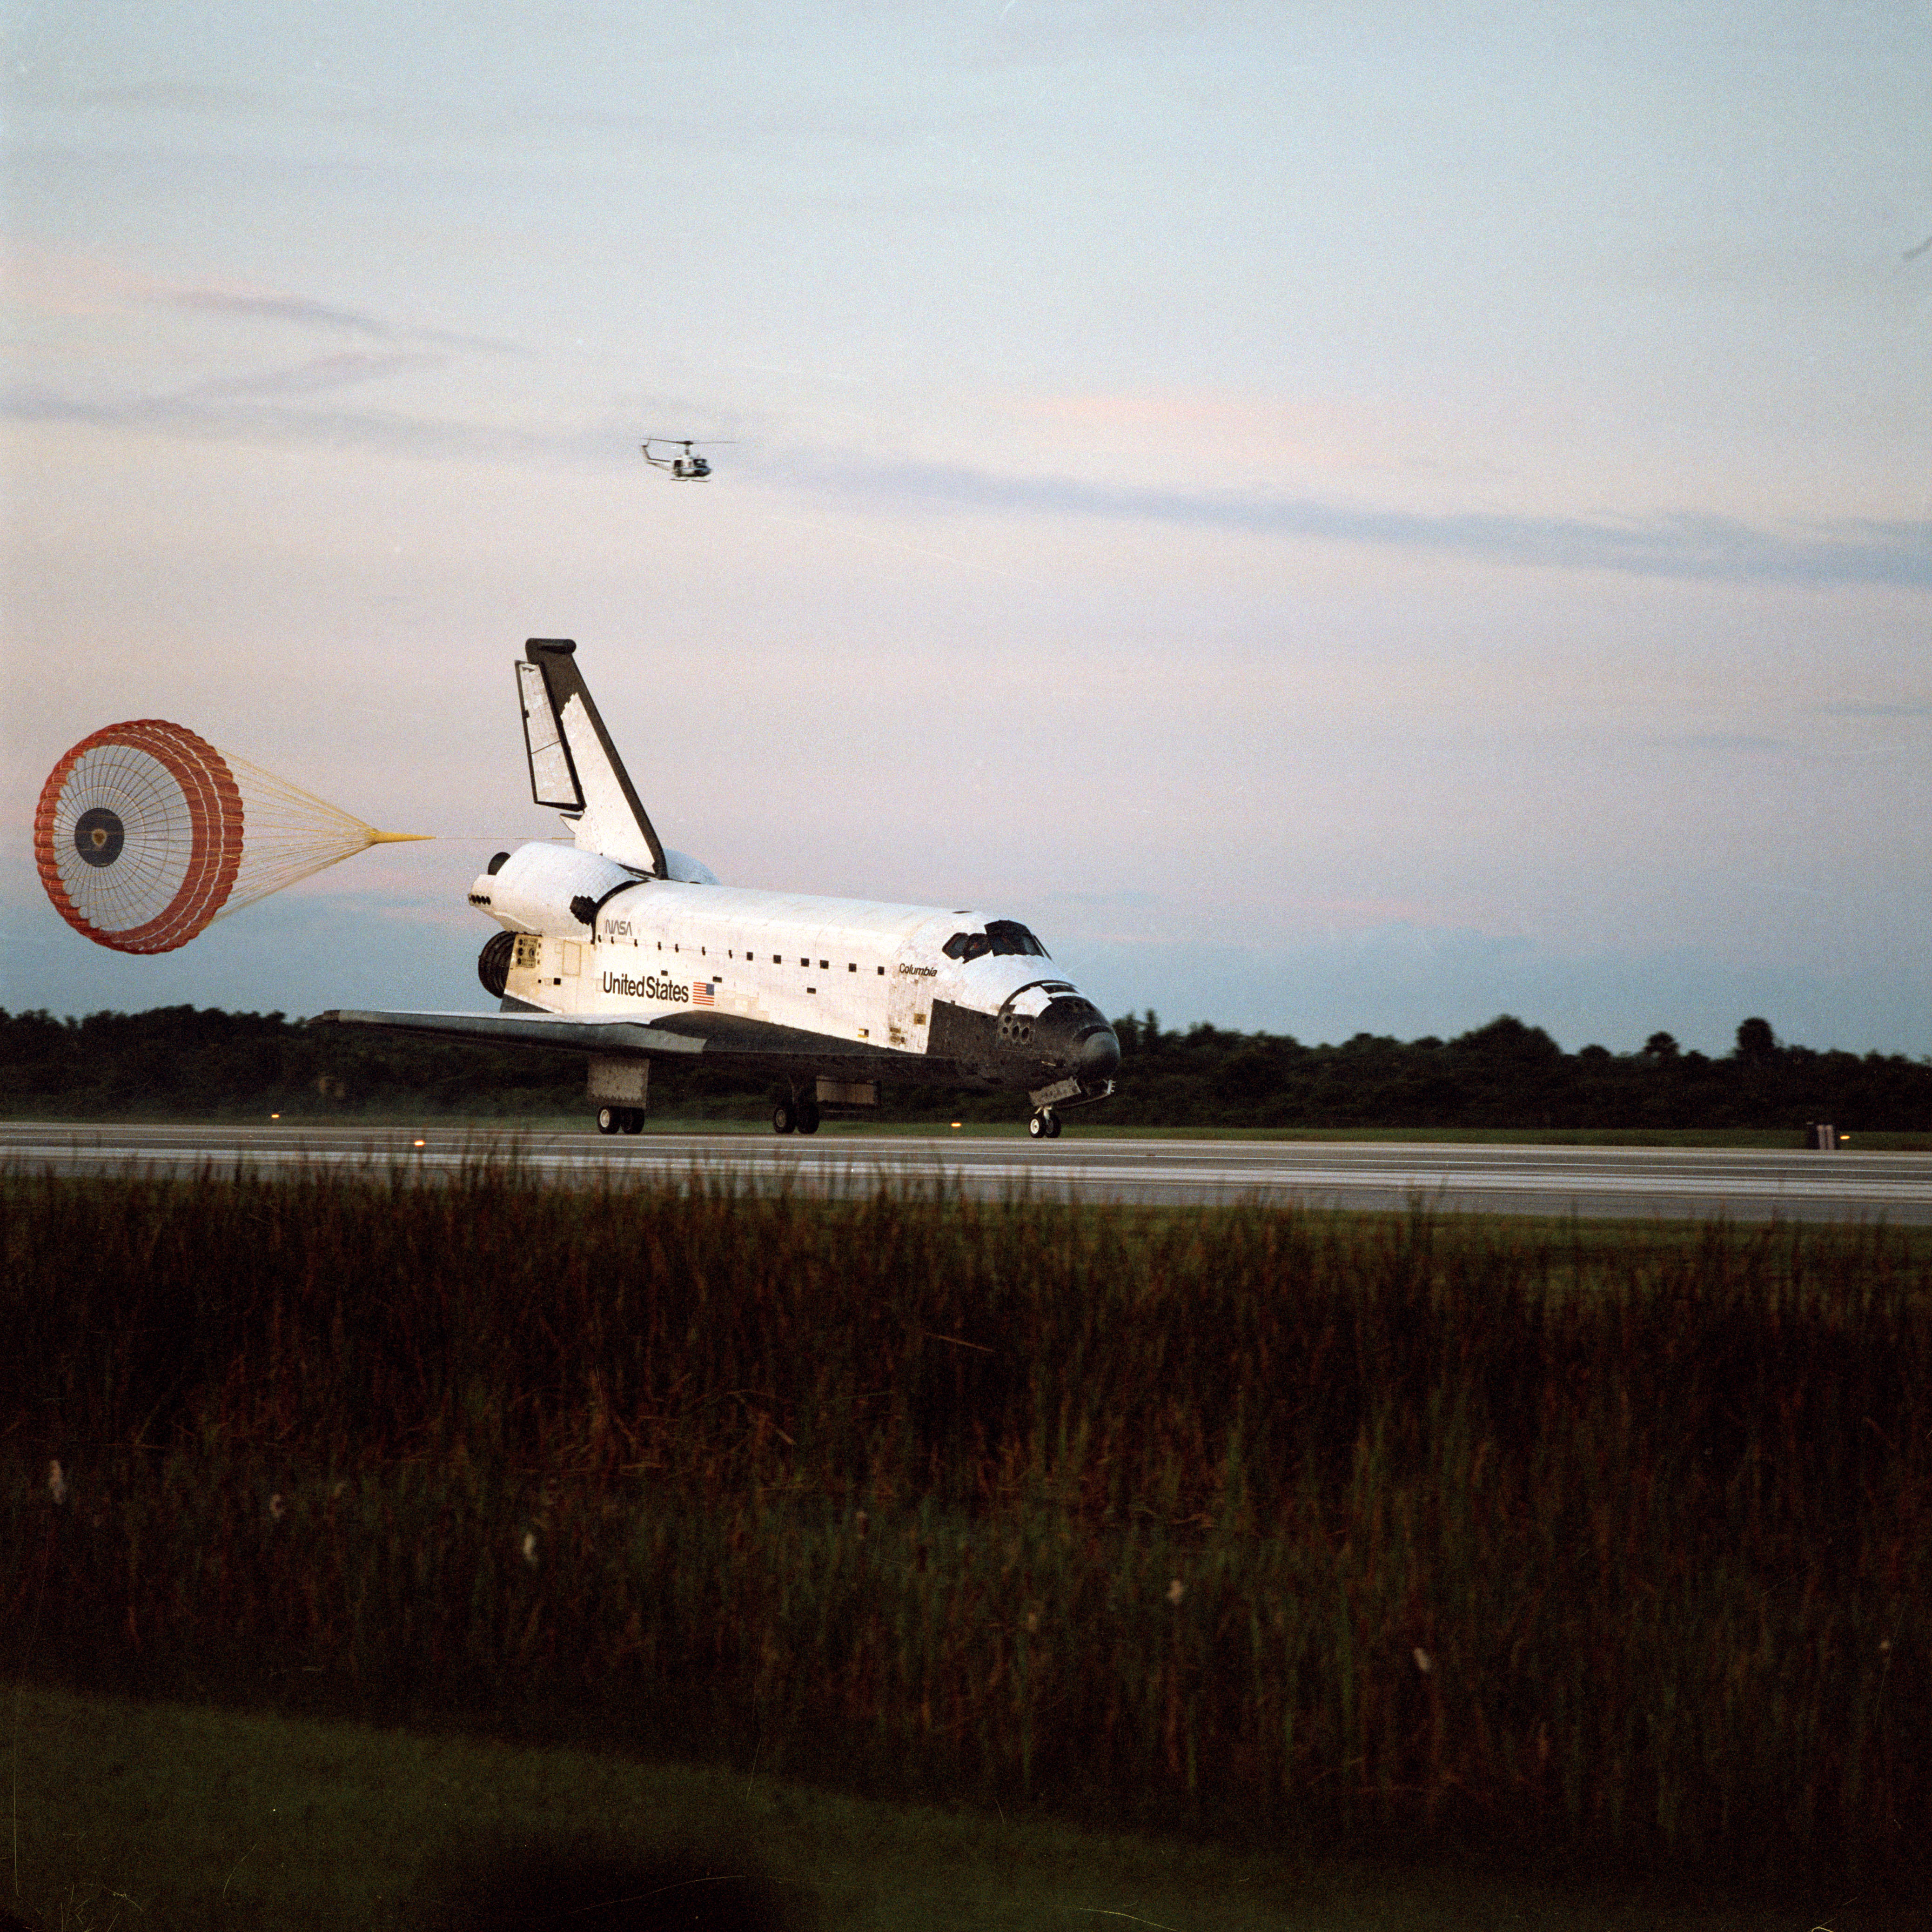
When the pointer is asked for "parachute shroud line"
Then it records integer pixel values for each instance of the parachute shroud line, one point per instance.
(146, 834)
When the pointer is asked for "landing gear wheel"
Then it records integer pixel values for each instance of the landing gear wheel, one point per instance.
(807, 1117)
(609, 1119)
(633, 1120)
(1053, 1127)
(1041, 1127)
(784, 1118)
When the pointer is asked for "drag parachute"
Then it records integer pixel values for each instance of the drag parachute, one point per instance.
(145, 833)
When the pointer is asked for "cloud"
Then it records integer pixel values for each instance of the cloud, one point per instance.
(282, 308)
(47, 281)
(1721, 741)
(302, 312)
(263, 420)
(322, 373)
(1877, 710)
(244, 407)
(1682, 544)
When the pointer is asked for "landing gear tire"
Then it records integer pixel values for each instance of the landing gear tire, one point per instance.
(1045, 1126)
(784, 1118)
(1053, 1127)
(807, 1117)
(633, 1120)
(610, 1120)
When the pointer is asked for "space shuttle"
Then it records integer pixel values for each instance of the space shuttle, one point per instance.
(617, 947)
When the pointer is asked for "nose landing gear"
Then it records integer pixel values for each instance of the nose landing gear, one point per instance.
(1073, 1091)
(620, 1120)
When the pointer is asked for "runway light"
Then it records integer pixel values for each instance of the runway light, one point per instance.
(955, 1127)
(419, 1143)
(275, 1117)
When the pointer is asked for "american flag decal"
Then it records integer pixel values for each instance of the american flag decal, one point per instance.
(701, 992)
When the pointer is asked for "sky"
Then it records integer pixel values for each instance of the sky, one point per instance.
(1344, 518)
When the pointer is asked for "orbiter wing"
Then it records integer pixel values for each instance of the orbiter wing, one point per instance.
(753, 1046)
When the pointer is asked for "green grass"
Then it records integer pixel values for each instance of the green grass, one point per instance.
(1381, 1530)
(126, 1815)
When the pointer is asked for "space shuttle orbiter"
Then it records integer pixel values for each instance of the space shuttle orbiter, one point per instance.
(619, 948)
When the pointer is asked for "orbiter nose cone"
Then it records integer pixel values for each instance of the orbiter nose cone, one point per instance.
(1097, 1054)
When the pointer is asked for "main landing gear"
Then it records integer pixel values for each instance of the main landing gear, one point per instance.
(795, 1117)
(620, 1120)
(1045, 1125)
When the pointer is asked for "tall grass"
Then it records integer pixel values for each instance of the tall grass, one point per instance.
(1382, 1527)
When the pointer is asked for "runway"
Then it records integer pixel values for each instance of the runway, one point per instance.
(1656, 1183)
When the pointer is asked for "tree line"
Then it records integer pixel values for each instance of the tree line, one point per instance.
(1507, 1074)
(180, 1062)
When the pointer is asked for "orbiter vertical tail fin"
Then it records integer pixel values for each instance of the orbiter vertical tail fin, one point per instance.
(574, 768)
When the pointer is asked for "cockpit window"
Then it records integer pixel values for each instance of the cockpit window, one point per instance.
(1008, 935)
(1001, 935)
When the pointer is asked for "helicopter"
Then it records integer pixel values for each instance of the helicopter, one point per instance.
(685, 469)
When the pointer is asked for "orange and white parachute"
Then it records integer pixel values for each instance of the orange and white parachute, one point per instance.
(145, 833)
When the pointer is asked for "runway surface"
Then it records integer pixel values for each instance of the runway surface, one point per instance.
(1660, 1182)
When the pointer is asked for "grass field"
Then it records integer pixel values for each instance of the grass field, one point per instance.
(1396, 1534)
(159, 1817)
